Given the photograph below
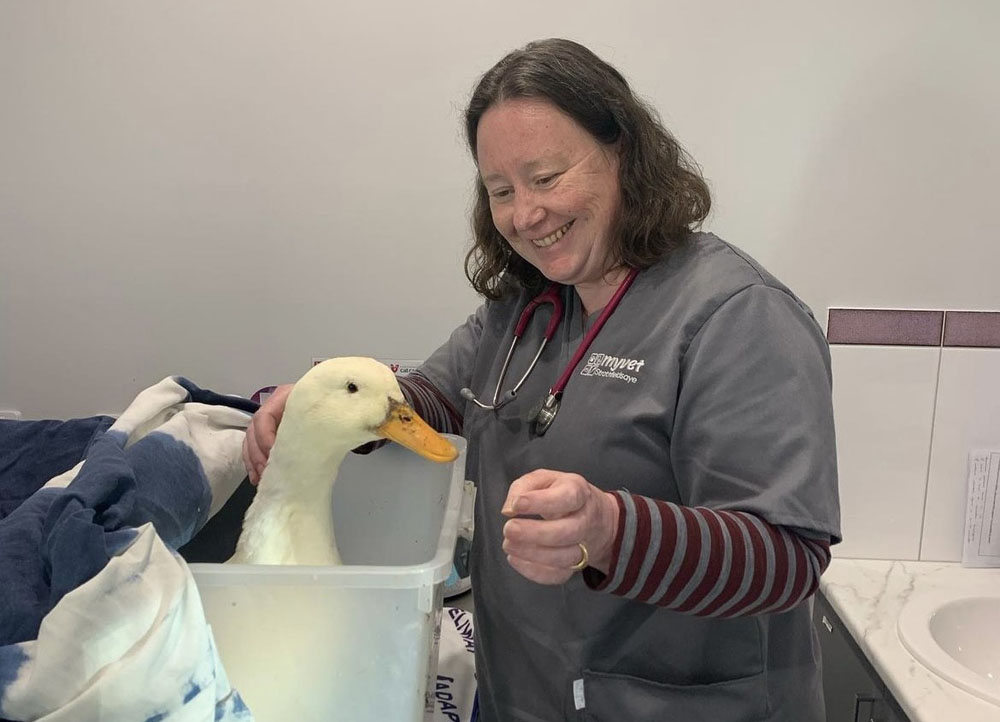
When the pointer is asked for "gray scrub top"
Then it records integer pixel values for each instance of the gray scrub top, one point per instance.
(709, 386)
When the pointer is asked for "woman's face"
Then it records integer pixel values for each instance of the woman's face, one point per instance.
(553, 190)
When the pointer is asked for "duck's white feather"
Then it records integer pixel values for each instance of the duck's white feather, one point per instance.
(334, 408)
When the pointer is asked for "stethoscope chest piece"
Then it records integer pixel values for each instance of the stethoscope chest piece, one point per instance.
(543, 415)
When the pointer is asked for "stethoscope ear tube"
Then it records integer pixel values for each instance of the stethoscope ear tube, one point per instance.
(549, 296)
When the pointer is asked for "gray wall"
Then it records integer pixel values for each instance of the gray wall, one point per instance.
(227, 189)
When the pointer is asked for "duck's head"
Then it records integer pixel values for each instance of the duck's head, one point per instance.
(350, 401)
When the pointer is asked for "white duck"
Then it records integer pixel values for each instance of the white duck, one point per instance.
(336, 406)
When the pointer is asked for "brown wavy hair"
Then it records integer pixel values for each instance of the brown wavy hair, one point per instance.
(663, 195)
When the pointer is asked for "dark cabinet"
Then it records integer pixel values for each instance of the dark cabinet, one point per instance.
(853, 690)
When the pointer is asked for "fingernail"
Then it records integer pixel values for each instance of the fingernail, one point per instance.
(511, 508)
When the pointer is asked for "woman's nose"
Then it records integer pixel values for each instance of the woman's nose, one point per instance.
(528, 212)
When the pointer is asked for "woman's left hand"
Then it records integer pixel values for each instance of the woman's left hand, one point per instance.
(572, 512)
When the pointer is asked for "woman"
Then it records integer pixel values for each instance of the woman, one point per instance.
(689, 472)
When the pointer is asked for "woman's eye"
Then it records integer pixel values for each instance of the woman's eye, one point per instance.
(500, 193)
(547, 179)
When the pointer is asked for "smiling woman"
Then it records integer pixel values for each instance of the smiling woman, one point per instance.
(649, 552)
(555, 86)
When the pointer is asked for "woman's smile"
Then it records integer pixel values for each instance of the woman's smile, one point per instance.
(552, 237)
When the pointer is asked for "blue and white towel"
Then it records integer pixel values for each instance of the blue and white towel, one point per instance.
(99, 616)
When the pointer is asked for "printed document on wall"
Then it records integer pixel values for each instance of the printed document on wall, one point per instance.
(982, 511)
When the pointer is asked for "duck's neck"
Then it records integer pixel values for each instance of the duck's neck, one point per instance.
(303, 471)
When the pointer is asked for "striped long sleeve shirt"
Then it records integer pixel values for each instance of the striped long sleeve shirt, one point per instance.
(693, 560)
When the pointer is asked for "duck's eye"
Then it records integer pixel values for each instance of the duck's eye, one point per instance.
(352, 387)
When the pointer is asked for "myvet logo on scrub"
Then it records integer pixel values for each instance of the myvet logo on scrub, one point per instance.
(612, 367)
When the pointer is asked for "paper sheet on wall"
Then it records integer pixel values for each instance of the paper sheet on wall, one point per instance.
(982, 511)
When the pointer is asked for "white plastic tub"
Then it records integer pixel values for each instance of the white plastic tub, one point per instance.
(355, 643)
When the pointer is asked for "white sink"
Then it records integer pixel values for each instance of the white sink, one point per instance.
(956, 636)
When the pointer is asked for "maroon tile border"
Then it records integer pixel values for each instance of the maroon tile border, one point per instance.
(972, 329)
(884, 327)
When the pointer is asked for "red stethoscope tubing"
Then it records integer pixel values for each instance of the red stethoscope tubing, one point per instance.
(609, 309)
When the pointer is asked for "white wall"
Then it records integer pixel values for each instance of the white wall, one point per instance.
(226, 189)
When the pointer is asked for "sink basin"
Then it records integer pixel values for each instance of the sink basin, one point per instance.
(956, 637)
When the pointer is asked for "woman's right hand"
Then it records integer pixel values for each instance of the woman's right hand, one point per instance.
(261, 432)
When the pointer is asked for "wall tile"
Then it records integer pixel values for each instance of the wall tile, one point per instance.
(884, 327)
(972, 329)
(967, 416)
(884, 407)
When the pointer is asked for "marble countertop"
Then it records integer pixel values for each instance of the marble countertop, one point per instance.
(868, 596)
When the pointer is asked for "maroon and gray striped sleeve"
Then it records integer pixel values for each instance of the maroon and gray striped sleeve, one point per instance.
(430, 404)
(708, 563)
(693, 560)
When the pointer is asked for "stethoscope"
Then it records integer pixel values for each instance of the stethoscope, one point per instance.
(543, 416)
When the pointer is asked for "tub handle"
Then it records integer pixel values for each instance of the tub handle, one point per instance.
(467, 514)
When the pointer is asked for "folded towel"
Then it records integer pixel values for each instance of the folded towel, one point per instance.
(99, 617)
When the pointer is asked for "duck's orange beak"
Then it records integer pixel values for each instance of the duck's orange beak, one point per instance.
(403, 426)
